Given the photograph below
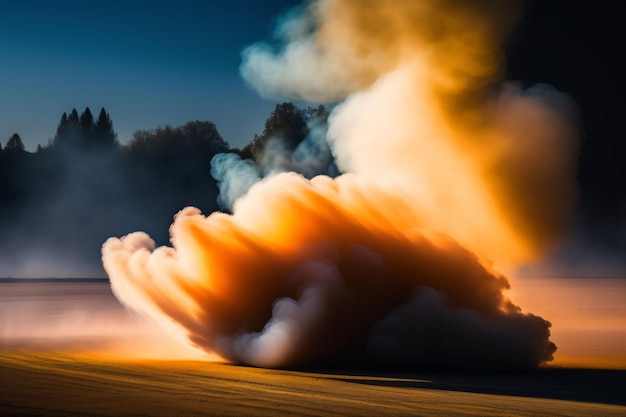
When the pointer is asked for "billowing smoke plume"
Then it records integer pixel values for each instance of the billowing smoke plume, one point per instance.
(311, 157)
(450, 173)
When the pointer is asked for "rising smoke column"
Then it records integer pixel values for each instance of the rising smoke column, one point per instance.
(450, 174)
(424, 110)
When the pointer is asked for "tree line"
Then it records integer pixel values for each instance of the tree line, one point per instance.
(81, 187)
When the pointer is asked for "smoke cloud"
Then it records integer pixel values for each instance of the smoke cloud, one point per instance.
(451, 175)
(310, 158)
(305, 269)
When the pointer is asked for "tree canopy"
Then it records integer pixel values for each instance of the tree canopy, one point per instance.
(82, 132)
(287, 123)
(15, 144)
(83, 185)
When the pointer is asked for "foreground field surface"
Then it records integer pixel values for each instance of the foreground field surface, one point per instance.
(35, 384)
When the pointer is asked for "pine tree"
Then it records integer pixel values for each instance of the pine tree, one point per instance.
(15, 144)
(73, 118)
(61, 131)
(103, 130)
(72, 134)
(86, 123)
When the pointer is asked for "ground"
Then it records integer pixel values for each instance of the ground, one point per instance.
(61, 384)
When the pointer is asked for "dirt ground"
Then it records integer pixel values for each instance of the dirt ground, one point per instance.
(55, 384)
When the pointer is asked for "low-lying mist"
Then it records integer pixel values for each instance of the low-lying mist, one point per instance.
(63, 201)
(82, 318)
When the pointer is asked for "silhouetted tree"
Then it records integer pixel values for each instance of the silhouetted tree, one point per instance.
(15, 144)
(61, 129)
(14, 175)
(184, 147)
(82, 133)
(68, 131)
(73, 119)
(169, 168)
(103, 131)
(287, 123)
(86, 123)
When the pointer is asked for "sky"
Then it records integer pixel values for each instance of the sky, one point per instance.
(147, 63)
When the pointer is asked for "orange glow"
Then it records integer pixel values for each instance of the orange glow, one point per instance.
(588, 317)
(80, 318)
(330, 243)
(450, 173)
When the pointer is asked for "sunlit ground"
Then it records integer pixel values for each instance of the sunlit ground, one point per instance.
(588, 317)
(71, 349)
(57, 384)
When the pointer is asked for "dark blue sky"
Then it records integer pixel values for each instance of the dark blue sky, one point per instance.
(149, 63)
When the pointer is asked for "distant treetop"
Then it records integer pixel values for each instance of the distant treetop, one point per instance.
(15, 144)
(81, 132)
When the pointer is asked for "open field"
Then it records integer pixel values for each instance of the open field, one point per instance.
(70, 349)
(588, 317)
(35, 384)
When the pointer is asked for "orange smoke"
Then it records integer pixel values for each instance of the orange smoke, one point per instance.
(424, 109)
(450, 174)
(305, 269)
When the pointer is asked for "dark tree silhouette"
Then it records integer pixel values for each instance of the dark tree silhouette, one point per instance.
(104, 135)
(287, 123)
(61, 130)
(168, 168)
(83, 133)
(84, 186)
(14, 177)
(15, 144)
(73, 117)
(86, 122)
(68, 131)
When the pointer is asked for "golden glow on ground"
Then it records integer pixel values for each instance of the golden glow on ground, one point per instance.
(56, 384)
